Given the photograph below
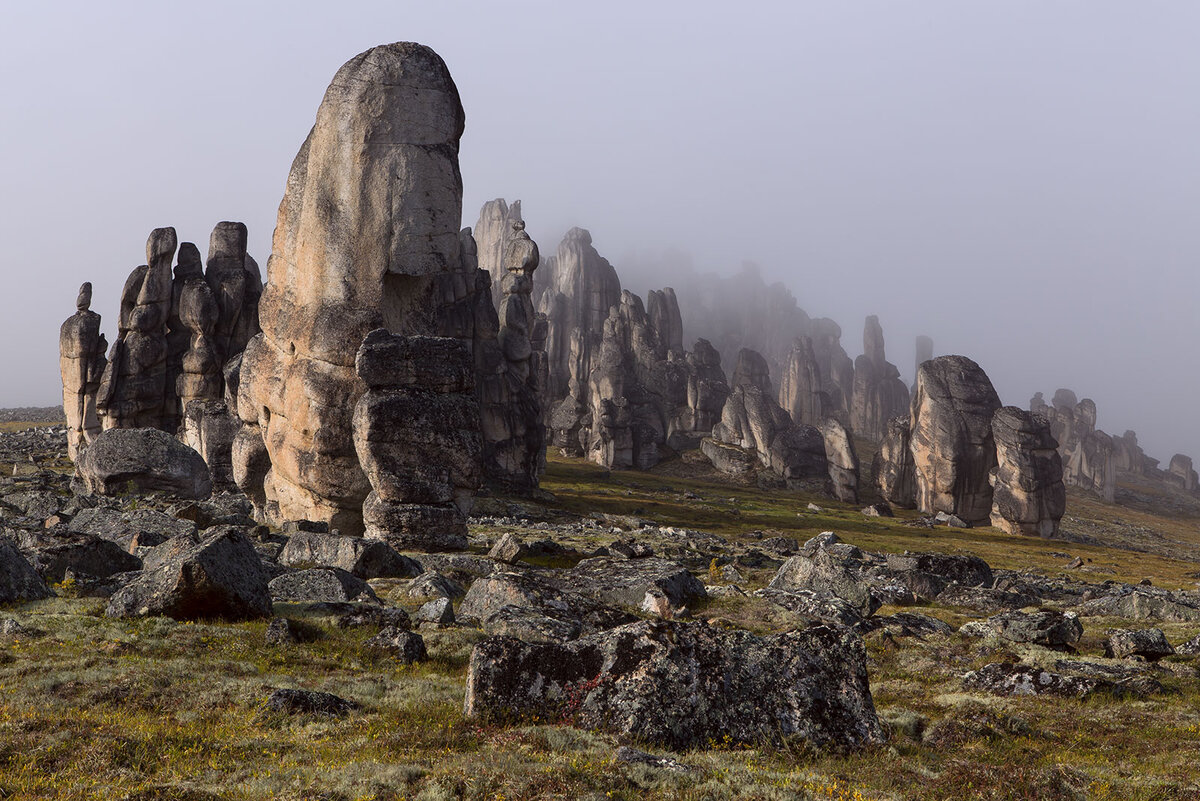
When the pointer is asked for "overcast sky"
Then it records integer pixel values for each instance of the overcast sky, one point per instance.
(1019, 180)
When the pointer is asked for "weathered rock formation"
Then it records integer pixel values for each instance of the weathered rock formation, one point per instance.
(416, 430)
(81, 358)
(1180, 470)
(1127, 454)
(133, 389)
(1088, 454)
(493, 232)
(879, 394)
(893, 470)
(800, 386)
(951, 438)
(1028, 497)
(370, 217)
(842, 459)
(756, 432)
(707, 392)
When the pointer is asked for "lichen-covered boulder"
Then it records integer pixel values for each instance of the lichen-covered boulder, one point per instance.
(18, 580)
(685, 684)
(144, 460)
(219, 576)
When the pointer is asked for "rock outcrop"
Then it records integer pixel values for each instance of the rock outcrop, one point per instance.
(681, 685)
(879, 394)
(82, 361)
(144, 460)
(842, 459)
(370, 217)
(1028, 495)
(952, 444)
(133, 390)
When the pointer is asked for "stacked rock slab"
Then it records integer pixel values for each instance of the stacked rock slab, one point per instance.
(893, 469)
(952, 444)
(879, 393)
(416, 431)
(133, 389)
(81, 360)
(1028, 496)
(370, 216)
(756, 432)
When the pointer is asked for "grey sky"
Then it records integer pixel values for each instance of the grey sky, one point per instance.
(1020, 180)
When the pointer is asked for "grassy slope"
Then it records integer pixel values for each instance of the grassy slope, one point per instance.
(104, 709)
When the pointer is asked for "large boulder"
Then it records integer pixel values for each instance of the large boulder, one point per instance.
(144, 460)
(682, 685)
(219, 576)
(826, 575)
(1051, 629)
(952, 444)
(1028, 493)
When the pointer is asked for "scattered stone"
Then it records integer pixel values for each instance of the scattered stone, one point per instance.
(625, 583)
(501, 601)
(406, 646)
(309, 702)
(1006, 678)
(1150, 644)
(330, 584)
(434, 585)
(279, 632)
(682, 684)
(220, 576)
(507, 549)
(12, 628)
(439, 611)
(878, 510)
(1059, 630)
(365, 558)
(633, 756)
(375, 615)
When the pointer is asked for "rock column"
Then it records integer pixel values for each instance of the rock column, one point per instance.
(81, 360)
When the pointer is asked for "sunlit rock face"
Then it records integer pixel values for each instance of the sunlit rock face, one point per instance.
(951, 440)
(1029, 496)
(369, 217)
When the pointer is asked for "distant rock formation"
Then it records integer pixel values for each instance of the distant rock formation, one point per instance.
(1180, 469)
(1029, 497)
(952, 444)
(1088, 454)
(879, 393)
(492, 233)
(800, 386)
(755, 432)
(1127, 454)
(81, 358)
(707, 390)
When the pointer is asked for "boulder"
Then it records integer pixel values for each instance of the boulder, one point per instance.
(54, 554)
(952, 444)
(143, 460)
(627, 583)
(328, 584)
(1150, 644)
(1059, 630)
(407, 646)
(683, 684)
(532, 608)
(219, 576)
(309, 702)
(365, 558)
(826, 575)
(18, 580)
(1006, 678)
